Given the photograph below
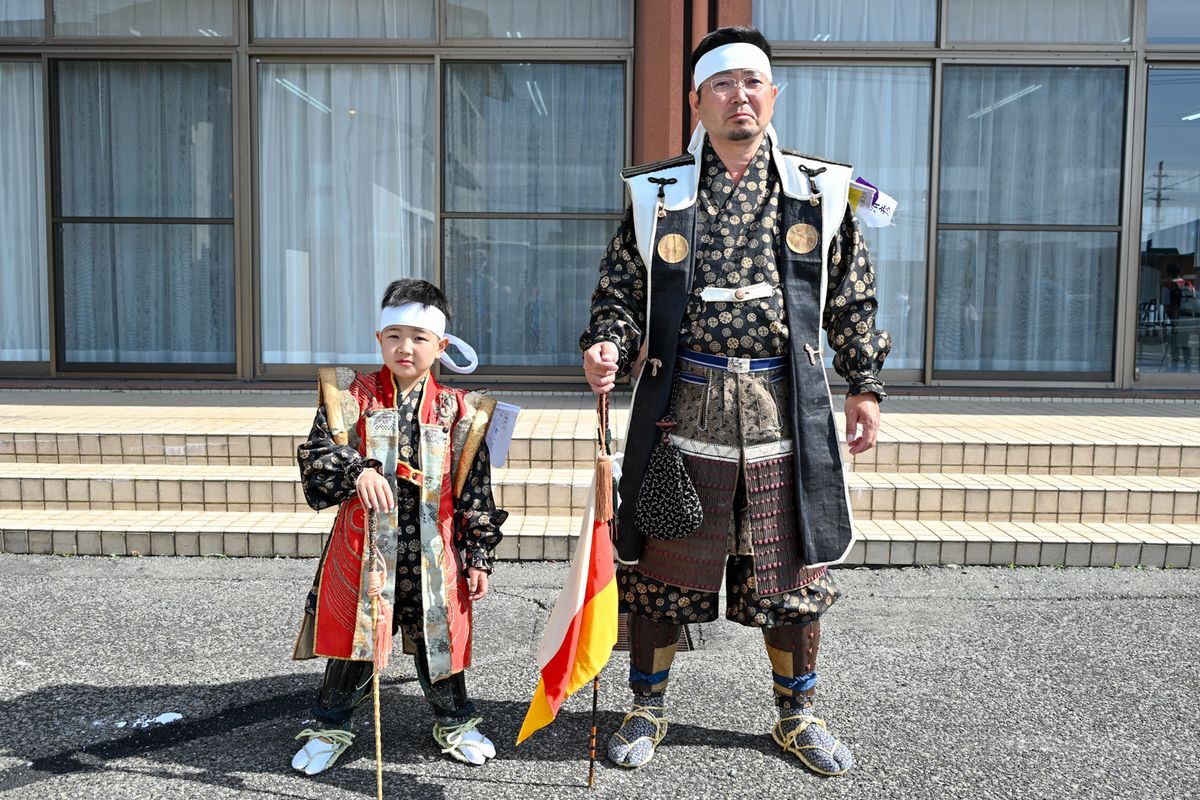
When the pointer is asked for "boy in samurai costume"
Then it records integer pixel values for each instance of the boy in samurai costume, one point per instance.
(396, 445)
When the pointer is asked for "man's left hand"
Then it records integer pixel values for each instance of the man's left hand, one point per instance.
(477, 583)
(862, 409)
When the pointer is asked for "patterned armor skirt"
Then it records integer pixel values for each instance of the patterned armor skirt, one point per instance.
(735, 433)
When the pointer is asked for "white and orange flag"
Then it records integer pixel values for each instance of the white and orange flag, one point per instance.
(582, 629)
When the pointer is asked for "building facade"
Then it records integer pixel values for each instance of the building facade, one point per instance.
(219, 189)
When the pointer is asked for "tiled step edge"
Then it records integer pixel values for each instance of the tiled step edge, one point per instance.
(577, 450)
(277, 450)
(232, 534)
(880, 543)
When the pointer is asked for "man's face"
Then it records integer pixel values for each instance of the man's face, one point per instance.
(409, 352)
(736, 115)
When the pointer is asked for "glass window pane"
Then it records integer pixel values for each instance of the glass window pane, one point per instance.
(346, 179)
(200, 19)
(534, 137)
(521, 289)
(1173, 22)
(837, 112)
(847, 20)
(22, 19)
(1025, 301)
(344, 19)
(1106, 21)
(23, 328)
(145, 139)
(148, 293)
(1032, 145)
(1168, 312)
(538, 19)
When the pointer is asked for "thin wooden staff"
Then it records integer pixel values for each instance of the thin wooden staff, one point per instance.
(605, 511)
(375, 668)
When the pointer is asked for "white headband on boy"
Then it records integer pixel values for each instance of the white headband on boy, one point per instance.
(415, 315)
(738, 55)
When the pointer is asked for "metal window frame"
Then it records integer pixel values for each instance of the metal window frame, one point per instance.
(909, 375)
(1041, 378)
(437, 59)
(39, 368)
(440, 41)
(512, 373)
(55, 221)
(1136, 376)
(54, 38)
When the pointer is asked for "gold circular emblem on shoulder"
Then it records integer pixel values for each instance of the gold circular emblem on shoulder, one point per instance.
(802, 238)
(672, 248)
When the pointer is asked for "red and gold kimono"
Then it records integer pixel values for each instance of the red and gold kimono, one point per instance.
(430, 447)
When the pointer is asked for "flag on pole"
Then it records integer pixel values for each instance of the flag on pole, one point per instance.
(582, 629)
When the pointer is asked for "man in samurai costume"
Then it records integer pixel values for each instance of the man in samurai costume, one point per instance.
(398, 446)
(713, 293)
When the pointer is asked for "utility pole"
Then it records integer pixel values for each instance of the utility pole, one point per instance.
(1159, 199)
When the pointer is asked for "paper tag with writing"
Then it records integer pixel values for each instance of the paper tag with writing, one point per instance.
(500, 431)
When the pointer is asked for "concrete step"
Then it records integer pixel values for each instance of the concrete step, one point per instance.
(880, 543)
(575, 449)
(563, 491)
(254, 533)
(1024, 498)
(175, 487)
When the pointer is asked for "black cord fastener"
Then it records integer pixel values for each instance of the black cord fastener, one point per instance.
(811, 173)
(663, 183)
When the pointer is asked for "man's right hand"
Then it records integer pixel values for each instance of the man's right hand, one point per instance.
(374, 491)
(600, 366)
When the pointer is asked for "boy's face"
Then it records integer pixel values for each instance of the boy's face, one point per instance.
(409, 352)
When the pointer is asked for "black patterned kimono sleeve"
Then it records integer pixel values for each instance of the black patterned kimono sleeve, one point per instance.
(619, 302)
(328, 470)
(477, 531)
(859, 347)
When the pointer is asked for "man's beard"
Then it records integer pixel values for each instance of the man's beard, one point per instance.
(741, 134)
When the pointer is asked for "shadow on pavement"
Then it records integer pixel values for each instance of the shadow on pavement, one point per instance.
(249, 736)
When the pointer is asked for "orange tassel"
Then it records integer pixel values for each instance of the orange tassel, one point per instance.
(382, 611)
(604, 482)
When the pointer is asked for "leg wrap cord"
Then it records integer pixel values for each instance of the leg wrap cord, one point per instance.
(651, 650)
(793, 650)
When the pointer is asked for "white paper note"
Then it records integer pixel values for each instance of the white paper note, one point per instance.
(500, 431)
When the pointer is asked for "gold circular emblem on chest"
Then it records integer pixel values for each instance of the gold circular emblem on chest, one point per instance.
(672, 248)
(802, 238)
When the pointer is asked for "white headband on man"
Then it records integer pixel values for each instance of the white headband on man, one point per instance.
(738, 55)
(415, 315)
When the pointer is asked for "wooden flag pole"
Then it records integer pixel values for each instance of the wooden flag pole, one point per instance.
(605, 510)
(374, 522)
(592, 751)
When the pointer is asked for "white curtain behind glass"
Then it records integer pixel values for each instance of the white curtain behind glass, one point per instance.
(344, 19)
(23, 331)
(876, 118)
(1032, 145)
(521, 289)
(22, 18)
(200, 19)
(534, 137)
(538, 19)
(147, 139)
(847, 20)
(1025, 301)
(346, 188)
(1029, 146)
(1039, 20)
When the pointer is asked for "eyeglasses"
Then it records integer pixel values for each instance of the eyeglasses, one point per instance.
(726, 86)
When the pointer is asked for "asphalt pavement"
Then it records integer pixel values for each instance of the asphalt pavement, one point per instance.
(171, 678)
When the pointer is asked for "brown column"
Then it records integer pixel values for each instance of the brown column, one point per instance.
(665, 33)
(658, 80)
(732, 12)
